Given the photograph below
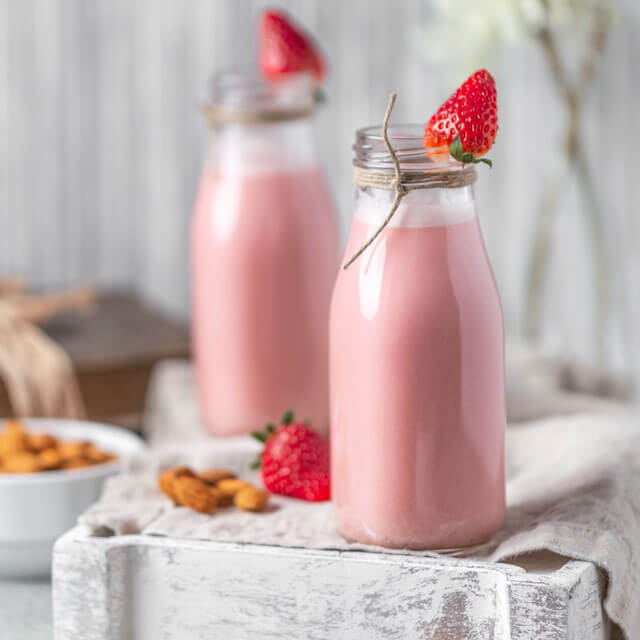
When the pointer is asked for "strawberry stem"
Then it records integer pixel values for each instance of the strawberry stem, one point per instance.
(466, 157)
(319, 96)
(269, 429)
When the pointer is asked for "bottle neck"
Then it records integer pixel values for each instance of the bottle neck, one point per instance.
(434, 190)
(274, 147)
(419, 208)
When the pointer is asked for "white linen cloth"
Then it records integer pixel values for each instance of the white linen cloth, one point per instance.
(573, 487)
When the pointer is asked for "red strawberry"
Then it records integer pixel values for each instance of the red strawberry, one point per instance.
(295, 460)
(468, 121)
(287, 48)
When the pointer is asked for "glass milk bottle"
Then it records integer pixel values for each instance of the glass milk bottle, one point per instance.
(416, 359)
(264, 255)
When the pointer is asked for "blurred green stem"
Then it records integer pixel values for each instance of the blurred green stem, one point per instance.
(600, 263)
(573, 157)
(541, 251)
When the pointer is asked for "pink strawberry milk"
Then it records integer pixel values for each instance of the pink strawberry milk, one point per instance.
(264, 250)
(416, 360)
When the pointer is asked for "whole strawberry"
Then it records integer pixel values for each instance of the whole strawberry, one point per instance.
(468, 121)
(287, 48)
(295, 460)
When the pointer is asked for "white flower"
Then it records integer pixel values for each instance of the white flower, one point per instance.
(468, 34)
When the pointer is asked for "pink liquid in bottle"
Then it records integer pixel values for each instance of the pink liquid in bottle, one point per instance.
(264, 257)
(417, 377)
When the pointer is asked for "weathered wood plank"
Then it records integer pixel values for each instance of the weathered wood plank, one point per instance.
(146, 588)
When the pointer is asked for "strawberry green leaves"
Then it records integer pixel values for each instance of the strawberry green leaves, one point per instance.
(467, 122)
(269, 430)
(466, 157)
(287, 417)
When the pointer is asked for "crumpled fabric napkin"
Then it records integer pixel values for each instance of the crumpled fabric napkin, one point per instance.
(573, 487)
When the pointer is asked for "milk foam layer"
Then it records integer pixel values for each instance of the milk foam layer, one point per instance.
(419, 208)
(264, 148)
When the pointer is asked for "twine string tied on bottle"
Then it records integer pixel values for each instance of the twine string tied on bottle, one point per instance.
(217, 114)
(401, 183)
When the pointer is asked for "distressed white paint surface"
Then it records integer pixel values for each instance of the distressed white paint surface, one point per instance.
(146, 588)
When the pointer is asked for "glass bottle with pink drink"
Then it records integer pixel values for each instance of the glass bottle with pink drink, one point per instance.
(416, 357)
(264, 251)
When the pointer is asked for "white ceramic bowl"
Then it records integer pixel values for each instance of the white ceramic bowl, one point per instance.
(36, 508)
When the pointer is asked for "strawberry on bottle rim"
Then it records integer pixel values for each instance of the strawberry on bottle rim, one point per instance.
(466, 123)
(286, 47)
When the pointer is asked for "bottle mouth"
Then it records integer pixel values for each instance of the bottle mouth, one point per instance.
(249, 96)
(407, 141)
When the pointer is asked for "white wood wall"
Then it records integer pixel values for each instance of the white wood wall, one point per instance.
(101, 143)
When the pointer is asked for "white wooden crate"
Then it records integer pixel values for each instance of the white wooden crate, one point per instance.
(151, 588)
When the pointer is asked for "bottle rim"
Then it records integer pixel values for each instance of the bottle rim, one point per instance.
(407, 141)
(244, 95)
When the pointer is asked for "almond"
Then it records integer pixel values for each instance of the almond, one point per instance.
(38, 442)
(224, 500)
(12, 441)
(195, 494)
(231, 486)
(23, 462)
(166, 480)
(213, 476)
(73, 450)
(24, 452)
(251, 499)
(49, 459)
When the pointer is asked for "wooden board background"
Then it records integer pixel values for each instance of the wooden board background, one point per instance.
(101, 143)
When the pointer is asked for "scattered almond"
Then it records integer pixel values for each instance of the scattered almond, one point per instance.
(194, 494)
(207, 490)
(213, 476)
(251, 499)
(224, 500)
(231, 486)
(166, 480)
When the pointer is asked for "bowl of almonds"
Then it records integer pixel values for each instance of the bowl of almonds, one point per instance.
(50, 472)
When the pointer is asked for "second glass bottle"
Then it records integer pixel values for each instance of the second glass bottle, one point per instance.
(264, 251)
